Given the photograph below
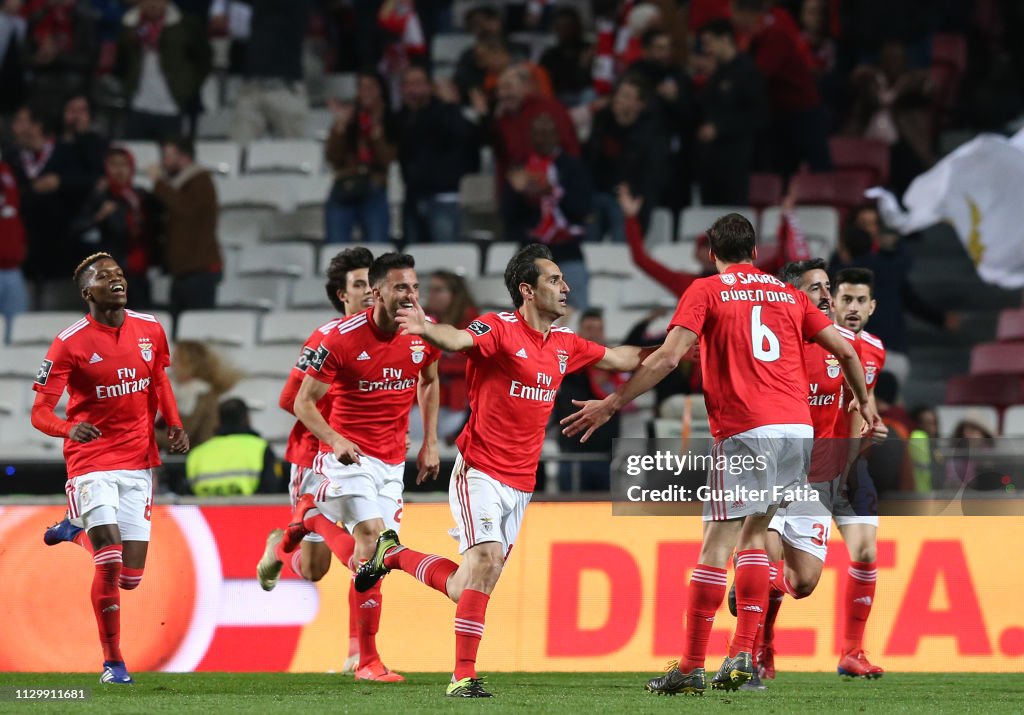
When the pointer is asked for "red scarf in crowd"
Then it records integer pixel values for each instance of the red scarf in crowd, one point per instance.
(53, 23)
(553, 226)
(137, 258)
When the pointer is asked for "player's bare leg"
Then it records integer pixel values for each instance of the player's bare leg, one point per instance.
(368, 603)
(106, 598)
(860, 542)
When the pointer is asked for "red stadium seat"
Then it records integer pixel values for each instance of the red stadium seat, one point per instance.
(765, 190)
(997, 359)
(1011, 325)
(997, 390)
(860, 153)
(842, 189)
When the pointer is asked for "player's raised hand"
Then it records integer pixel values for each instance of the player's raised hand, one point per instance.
(593, 414)
(872, 422)
(629, 203)
(84, 432)
(346, 452)
(412, 321)
(178, 440)
(428, 462)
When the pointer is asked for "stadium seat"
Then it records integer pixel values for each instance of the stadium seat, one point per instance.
(609, 259)
(41, 328)
(605, 292)
(309, 295)
(949, 416)
(861, 153)
(288, 156)
(677, 256)
(618, 323)
(842, 189)
(497, 257)
(231, 328)
(447, 47)
(643, 292)
(1011, 325)
(145, 154)
(20, 440)
(1013, 422)
(14, 395)
(259, 393)
(765, 190)
(310, 191)
(997, 390)
(215, 124)
(695, 220)
(242, 226)
(256, 191)
(476, 193)
(997, 358)
(299, 225)
(273, 423)
(819, 224)
(340, 86)
(278, 259)
(489, 293)
(462, 258)
(261, 292)
(221, 157)
(318, 123)
(659, 228)
(272, 360)
(292, 327)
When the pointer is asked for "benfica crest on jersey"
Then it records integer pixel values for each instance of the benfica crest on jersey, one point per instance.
(417, 353)
(563, 361)
(146, 348)
(832, 367)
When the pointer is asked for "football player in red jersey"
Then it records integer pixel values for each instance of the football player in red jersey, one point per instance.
(751, 327)
(516, 362)
(349, 291)
(373, 374)
(113, 364)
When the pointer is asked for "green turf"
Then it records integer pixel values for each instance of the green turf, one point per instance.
(564, 693)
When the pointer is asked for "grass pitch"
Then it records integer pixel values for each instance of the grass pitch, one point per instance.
(565, 693)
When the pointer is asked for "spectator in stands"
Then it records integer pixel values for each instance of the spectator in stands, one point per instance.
(13, 294)
(13, 43)
(797, 130)
(494, 56)
(673, 100)
(926, 460)
(628, 144)
(484, 22)
(437, 145)
(888, 464)
(816, 29)
(236, 460)
(89, 144)
(547, 200)
(527, 15)
(199, 377)
(272, 99)
(360, 148)
(192, 254)
(516, 108)
(588, 384)
(972, 438)
(163, 58)
(568, 61)
(732, 112)
(114, 220)
(62, 47)
(404, 41)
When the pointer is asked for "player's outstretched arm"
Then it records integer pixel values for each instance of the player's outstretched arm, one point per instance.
(652, 370)
(310, 393)
(428, 396)
(46, 421)
(624, 358)
(177, 438)
(413, 321)
(853, 371)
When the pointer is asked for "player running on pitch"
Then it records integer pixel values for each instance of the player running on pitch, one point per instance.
(516, 362)
(113, 364)
(751, 328)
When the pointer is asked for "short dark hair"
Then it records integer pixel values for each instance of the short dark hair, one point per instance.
(86, 264)
(45, 114)
(643, 87)
(590, 313)
(234, 413)
(337, 272)
(183, 144)
(751, 5)
(732, 238)
(387, 262)
(484, 10)
(523, 269)
(855, 276)
(857, 241)
(719, 27)
(794, 270)
(648, 38)
(887, 387)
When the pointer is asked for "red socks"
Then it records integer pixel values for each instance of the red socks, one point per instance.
(340, 542)
(367, 624)
(426, 568)
(860, 593)
(704, 596)
(82, 539)
(130, 578)
(106, 600)
(752, 570)
(353, 619)
(469, 630)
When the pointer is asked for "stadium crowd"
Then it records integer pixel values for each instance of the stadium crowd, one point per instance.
(559, 106)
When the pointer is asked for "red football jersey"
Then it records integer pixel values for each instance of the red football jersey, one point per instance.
(302, 445)
(108, 373)
(752, 328)
(825, 400)
(373, 377)
(513, 374)
(871, 352)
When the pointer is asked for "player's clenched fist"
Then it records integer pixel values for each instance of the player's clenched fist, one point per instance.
(84, 432)
(177, 439)
(346, 452)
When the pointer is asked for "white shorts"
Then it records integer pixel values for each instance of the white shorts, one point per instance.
(806, 525)
(304, 481)
(484, 509)
(354, 493)
(762, 465)
(127, 492)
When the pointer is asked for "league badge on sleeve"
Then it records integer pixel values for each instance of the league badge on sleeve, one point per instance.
(44, 372)
(478, 328)
(146, 348)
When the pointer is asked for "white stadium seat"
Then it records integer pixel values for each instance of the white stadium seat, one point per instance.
(498, 255)
(489, 292)
(15, 395)
(259, 393)
(242, 226)
(605, 292)
(289, 156)
(270, 360)
(292, 327)
(677, 256)
(461, 258)
(318, 123)
(609, 259)
(41, 328)
(231, 328)
(278, 259)
(262, 292)
(340, 86)
(1013, 422)
(221, 157)
(145, 154)
(21, 361)
(618, 323)
(645, 292)
(659, 228)
(301, 224)
(476, 193)
(447, 47)
(949, 416)
(273, 423)
(695, 220)
(251, 191)
(819, 224)
(310, 190)
(309, 294)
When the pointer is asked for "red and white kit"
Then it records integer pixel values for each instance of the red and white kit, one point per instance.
(513, 374)
(374, 376)
(746, 320)
(109, 374)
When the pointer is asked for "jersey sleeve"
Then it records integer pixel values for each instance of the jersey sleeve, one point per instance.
(52, 377)
(308, 352)
(325, 361)
(163, 350)
(693, 309)
(486, 333)
(814, 321)
(583, 353)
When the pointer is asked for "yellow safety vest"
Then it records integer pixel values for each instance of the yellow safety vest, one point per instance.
(226, 464)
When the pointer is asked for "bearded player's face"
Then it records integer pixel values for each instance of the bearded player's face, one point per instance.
(397, 290)
(816, 287)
